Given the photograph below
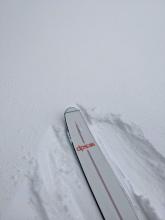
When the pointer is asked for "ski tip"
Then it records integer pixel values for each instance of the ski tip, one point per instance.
(71, 109)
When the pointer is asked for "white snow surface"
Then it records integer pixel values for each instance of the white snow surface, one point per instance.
(55, 188)
(105, 54)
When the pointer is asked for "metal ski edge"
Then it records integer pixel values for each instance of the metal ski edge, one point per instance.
(70, 109)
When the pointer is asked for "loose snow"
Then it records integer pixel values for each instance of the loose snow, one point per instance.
(54, 186)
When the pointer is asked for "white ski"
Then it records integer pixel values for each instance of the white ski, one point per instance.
(110, 197)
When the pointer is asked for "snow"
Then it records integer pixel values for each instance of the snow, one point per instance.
(109, 57)
(55, 188)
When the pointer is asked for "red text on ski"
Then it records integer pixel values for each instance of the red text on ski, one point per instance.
(84, 147)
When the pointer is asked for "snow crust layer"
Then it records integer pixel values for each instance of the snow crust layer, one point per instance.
(54, 187)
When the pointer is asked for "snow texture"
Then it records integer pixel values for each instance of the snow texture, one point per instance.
(108, 54)
(54, 187)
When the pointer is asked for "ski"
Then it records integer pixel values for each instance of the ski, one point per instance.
(110, 197)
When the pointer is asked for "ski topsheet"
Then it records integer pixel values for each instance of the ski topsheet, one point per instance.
(110, 197)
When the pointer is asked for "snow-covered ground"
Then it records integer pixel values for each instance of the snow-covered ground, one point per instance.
(109, 57)
(54, 187)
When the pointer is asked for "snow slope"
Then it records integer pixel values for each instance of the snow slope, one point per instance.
(98, 53)
(54, 187)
